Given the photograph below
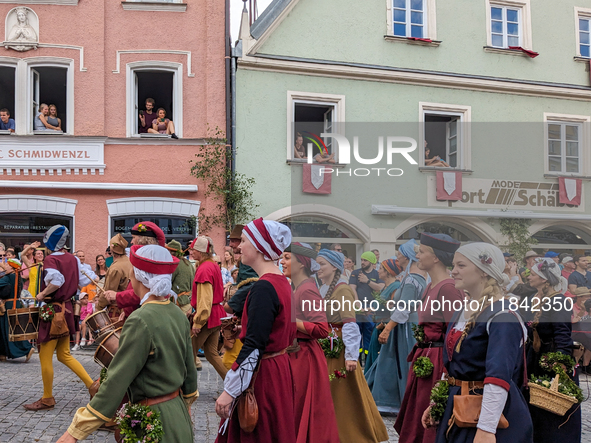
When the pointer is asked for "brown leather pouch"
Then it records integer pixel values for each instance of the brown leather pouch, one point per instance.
(467, 408)
(2, 308)
(59, 325)
(248, 409)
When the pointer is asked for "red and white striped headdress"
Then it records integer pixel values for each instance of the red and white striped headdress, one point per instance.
(270, 238)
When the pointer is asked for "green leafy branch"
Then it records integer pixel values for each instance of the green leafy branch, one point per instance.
(517, 233)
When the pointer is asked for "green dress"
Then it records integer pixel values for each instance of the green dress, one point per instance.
(155, 358)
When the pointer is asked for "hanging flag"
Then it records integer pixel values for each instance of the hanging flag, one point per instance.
(449, 185)
(570, 190)
(316, 180)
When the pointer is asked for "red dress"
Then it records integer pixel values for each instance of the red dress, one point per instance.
(315, 418)
(271, 330)
(418, 390)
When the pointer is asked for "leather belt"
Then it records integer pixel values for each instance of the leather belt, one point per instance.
(472, 384)
(430, 344)
(273, 354)
(156, 400)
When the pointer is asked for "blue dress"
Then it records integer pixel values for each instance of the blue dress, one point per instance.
(388, 375)
(380, 317)
(11, 349)
(495, 357)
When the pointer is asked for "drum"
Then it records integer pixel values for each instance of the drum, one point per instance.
(107, 348)
(23, 324)
(99, 324)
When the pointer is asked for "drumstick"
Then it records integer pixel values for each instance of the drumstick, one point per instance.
(88, 277)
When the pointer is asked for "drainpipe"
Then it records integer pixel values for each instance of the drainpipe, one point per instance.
(230, 114)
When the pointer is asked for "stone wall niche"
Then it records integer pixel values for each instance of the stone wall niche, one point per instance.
(22, 29)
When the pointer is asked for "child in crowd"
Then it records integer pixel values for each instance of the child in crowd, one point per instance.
(88, 308)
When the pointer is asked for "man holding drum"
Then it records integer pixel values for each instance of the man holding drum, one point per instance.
(61, 276)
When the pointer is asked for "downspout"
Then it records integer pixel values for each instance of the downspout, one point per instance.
(230, 113)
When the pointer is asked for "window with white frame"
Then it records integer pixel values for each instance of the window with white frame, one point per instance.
(564, 147)
(7, 94)
(508, 24)
(445, 136)
(584, 34)
(410, 18)
(505, 26)
(159, 83)
(49, 89)
(311, 115)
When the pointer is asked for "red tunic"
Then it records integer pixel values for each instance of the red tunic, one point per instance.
(127, 300)
(209, 272)
(273, 386)
(416, 397)
(315, 418)
(67, 265)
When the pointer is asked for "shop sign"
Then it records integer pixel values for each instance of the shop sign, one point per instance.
(53, 154)
(512, 195)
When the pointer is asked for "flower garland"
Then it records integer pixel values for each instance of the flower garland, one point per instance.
(47, 312)
(552, 361)
(438, 400)
(423, 367)
(332, 345)
(338, 373)
(418, 331)
(139, 424)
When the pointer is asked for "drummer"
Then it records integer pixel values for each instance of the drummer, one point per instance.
(154, 362)
(117, 277)
(60, 283)
(143, 233)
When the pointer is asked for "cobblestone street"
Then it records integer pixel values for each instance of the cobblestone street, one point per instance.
(21, 384)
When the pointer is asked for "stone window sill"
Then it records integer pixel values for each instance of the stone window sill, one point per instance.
(49, 133)
(303, 162)
(557, 175)
(505, 51)
(435, 168)
(582, 59)
(154, 6)
(395, 38)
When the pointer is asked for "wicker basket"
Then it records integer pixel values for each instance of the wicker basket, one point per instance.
(550, 399)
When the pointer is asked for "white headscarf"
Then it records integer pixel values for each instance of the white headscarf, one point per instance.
(547, 268)
(159, 285)
(488, 258)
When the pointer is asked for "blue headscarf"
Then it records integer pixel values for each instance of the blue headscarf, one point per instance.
(337, 259)
(408, 250)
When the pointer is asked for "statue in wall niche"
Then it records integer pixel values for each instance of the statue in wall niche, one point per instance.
(22, 27)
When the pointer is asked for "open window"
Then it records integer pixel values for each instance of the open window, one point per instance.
(310, 116)
(49, 85)
(162, 84)
(445, 136)
(7, 92)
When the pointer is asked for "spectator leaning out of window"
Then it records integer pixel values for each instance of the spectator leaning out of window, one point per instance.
(6, 123)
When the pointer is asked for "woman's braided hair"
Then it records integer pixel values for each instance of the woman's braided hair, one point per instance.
(333, 283)
(491, 292)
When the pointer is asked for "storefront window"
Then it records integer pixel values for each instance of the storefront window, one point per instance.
(181, 229)
(21, 229)
(456, 232)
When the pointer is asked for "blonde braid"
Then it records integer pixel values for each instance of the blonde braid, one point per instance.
(333, 283)
(491, 290)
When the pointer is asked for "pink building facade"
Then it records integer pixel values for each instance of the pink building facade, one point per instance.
(97, 62)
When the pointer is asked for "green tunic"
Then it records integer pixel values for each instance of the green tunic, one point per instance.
(182, 281)
(155, 358)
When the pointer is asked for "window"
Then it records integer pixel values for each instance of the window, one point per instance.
(49, 85)
(19, 229)
(583, 32)
(566, 139)
(160, 81)
(508, 23)
(175, 228)
(7, 90)
(564, 147)
(445, 136)
(309, 117)
(505, 28)
(409, 18)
